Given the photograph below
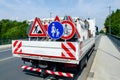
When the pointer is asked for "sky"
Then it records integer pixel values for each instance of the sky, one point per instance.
(29, 9)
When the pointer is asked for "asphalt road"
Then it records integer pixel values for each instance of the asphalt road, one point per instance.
(10, 68)
(5, 53)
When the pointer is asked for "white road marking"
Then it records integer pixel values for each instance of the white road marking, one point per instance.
(5, 50)
(7, 58)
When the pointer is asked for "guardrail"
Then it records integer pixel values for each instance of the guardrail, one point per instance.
(97, 40)
(9, 41)
(115, 40)
(5, 41)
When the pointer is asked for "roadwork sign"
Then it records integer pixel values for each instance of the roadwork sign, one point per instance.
(37, 29)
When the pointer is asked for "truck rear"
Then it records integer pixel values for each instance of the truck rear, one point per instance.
(59, 47)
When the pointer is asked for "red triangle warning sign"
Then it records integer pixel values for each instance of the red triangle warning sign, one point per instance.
(37, 29)
(57, 19)
(70, 19)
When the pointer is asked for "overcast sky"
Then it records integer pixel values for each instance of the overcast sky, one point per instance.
(29, 9)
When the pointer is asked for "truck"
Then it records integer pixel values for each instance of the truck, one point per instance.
(59, 46)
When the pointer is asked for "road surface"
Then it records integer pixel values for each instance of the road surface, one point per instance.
(9, 67)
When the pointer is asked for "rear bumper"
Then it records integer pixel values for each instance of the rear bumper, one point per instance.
(48, 71)
(61, 60)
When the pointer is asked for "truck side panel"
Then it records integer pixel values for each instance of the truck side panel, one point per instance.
(85, 46)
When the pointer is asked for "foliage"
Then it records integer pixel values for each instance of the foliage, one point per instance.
(101, 31)
(115, 23)
(12, 29)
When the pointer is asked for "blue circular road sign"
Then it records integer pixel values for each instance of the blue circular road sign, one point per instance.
(55, 30)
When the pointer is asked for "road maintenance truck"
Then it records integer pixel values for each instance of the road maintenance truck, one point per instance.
(59, 46)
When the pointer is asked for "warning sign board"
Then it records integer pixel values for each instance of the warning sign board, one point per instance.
(69, 29)
(57, 19)
(55, 30)
(37, 29)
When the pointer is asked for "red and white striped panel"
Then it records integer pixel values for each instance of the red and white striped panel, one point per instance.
(17, 46)
(59, 73)
(69, 50)
(48, 71)
(31, 69)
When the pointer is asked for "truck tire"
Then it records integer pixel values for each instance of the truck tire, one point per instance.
(85, 61)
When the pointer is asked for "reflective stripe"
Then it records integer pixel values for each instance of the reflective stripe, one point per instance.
(17, 46)
(48, 71)
(69, 50)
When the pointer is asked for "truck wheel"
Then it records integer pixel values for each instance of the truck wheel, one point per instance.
(85, 64)
(80, 66)
(71, 79)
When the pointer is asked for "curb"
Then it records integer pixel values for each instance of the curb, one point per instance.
(5, 46)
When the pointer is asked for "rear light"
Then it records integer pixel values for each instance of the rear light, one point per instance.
(26, 59)
(70, 65)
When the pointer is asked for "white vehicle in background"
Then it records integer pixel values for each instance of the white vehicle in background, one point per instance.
(59, 47)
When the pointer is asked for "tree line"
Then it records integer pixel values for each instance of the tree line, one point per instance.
(10, 29)
(114, 23)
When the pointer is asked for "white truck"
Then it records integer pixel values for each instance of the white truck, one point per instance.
(58, 47)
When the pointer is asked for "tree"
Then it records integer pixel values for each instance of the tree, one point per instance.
(13, 29)
(115, 22)
(101, 31)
